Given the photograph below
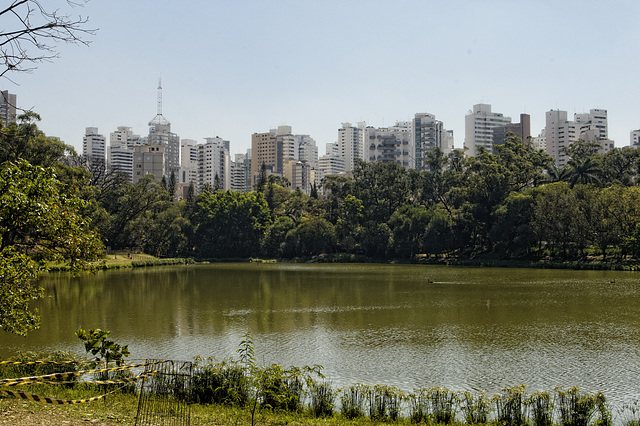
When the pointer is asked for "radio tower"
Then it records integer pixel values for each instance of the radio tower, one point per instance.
(159, 118)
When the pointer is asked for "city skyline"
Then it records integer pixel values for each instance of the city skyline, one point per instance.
(247, 67)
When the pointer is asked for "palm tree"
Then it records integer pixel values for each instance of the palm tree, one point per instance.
(583, 170)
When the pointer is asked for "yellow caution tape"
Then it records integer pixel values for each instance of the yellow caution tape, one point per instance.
(92, 382)
(36, 398)
(44, 362)
(60, 376)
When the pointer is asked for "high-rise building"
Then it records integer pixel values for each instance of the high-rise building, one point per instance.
(428, 134)
(635, 139)
(188, 162)
(214, 164)
(307, 150)
(560, 132)
(390, 144)
(241, 172)
(478, 130)
(331, 163)
(522, 130)
(351, 144)
(277, 146)
(300, 174)
(120, 151)
(160, 135)
(148, 160)
(7, 107)
(94, 147)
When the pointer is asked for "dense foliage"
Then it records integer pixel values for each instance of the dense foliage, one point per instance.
(41, 220)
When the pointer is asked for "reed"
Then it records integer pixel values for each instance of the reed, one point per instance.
(441, 404)
(511, 406)
(322, 399)
(224, 382)
(385, 402)
(475, 407)
(540, 409)
(575, 408)
(353, 399)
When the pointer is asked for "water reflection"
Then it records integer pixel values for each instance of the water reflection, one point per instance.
(409, 326)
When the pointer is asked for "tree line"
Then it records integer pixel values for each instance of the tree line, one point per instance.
(509, 205)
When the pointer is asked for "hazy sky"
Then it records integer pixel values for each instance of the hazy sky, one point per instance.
(235, 67)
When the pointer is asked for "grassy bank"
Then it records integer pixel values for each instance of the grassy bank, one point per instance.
(128, 260)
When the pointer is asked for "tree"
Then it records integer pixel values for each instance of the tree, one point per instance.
(29, 34)
(583, 171)
(382, 187)
(230, 224)
(39, 221)
(23, 140)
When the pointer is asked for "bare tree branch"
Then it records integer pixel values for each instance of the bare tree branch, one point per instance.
(29, 34)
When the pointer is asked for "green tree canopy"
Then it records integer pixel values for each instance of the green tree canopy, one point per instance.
(230, 224)
(39, 221)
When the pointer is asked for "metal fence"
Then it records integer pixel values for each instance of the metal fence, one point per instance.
(165, 396)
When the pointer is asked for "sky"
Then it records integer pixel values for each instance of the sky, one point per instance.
(231, 68)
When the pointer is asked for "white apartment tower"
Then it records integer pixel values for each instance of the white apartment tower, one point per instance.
(188, 162)
(351, 144)
(390, 144)
(560, 132)
(213, 160)
(94, 146)
(307, 150)
(478, 129)
(635, 139)
(120, 152)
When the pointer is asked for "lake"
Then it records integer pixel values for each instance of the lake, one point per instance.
(405, 325)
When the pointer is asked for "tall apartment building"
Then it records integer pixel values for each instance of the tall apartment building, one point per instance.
(188, 162)
(7, 107)
(213, 160)
(560, 132)
(478, 129)
(307, 150)
(634, 137)
(331, 164)
(428, 134)
(94, 146)
(300, 174)
(351, 144)
(277, 146)
(120, 151)
(390, 144)
(521, 130)
(148, 160)
(241, 172)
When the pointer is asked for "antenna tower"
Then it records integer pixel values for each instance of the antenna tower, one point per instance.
(160, 96)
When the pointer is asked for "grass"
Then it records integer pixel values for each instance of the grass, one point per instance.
(122, 409)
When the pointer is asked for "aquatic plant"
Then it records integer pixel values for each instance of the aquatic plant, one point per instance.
(352, 400)
(511, 406)
(322, 399)
(575, 408)
(475, 407)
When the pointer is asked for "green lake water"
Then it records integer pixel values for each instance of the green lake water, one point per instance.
(405, 325)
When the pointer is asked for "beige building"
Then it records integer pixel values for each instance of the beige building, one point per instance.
(148, 159)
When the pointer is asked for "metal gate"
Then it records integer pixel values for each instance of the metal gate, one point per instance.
(165, 396)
